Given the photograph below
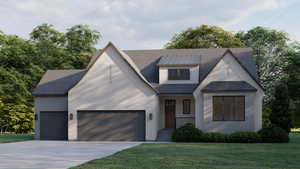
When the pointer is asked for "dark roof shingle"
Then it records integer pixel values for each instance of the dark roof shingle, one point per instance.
(57, 82)
(176, 88)
(179, 60)
(147, 60)
(225, 86)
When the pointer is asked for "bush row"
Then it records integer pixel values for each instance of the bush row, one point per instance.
(189, 133)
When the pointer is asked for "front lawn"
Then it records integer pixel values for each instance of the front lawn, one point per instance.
(7, 138)
(204, 155)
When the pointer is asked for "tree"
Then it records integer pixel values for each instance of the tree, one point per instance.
(80, 42)
(280, 115)
(70, 50)
(204, 36)
(270, 50)
(293, 72)
(23, 63)
(293, 82)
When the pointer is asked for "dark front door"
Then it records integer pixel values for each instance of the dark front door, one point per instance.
(53, 125)
(118, 125)
(170, 110)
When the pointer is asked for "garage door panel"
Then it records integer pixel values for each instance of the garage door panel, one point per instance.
(53, 125)
(111, 126)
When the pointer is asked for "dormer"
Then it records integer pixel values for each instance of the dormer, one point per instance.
(179, 69)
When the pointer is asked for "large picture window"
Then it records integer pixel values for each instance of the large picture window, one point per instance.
(178, 74)
(228, 108)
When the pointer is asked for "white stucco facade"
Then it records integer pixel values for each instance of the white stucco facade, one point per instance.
(228, 69)
(111, 84)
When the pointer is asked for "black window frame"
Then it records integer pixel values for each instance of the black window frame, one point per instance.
(189, 101)
(179, 74)
(223, 114)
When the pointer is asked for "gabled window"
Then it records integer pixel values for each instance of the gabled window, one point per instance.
(228, 108)
(178, 74)
(186, 106)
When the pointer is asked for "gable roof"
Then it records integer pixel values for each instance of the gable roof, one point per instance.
(145, 63)
(57, 82)
(147, 60)
(222, 86)
(124, 56)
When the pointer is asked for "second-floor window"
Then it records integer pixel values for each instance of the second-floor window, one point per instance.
(178, 74)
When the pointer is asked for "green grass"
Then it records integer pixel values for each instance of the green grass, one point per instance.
(204, 155)
(7, 138)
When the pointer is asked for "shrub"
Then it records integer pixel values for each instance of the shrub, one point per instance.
(266, 111)
(273, 135)
(280, 115)
(213, 137)
(16, 118)
(244, 137)
(187, 133)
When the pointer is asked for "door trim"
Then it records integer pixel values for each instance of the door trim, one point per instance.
(174, 112)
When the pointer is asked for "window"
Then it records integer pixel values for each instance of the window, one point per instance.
(186, 106)
(178, 74)
(228, 108)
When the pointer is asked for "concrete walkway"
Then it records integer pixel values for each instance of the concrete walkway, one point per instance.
(55, 154)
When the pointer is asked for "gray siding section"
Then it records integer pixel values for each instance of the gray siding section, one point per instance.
(55, 103)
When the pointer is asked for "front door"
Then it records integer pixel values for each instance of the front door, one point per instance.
(170, 111)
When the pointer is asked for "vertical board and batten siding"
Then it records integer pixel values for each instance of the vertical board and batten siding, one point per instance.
(228, 69)
(111, 84)
(48, 104)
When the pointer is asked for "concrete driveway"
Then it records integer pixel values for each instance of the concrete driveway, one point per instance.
(55, 154)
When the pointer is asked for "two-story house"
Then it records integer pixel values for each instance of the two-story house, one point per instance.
(135, 94)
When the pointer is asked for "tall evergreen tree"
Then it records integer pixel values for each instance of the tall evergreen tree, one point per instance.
(280, 115)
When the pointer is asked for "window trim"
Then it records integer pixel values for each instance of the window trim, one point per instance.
(213, 114)
(190, 104)
(179, 78)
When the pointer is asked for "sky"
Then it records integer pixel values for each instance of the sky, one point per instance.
(148, 24)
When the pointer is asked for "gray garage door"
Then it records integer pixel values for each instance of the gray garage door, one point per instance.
(54, 125)
(111, 125)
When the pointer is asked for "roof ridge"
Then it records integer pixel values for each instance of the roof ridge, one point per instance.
(128, 50)
(63, 69)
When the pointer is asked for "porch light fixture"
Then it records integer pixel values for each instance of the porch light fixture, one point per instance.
(35, 117)
(150, 116)
(71, 116)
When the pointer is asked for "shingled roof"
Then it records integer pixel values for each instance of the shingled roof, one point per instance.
(145, 62)
(179, 60)
(226, 86)
(57, 82)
